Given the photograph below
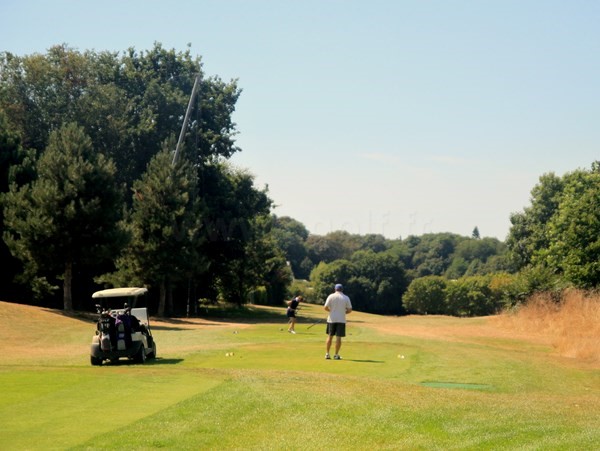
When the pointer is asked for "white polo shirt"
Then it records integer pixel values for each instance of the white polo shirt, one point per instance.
(337, 302)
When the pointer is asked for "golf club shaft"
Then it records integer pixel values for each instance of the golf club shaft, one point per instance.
(314, 324)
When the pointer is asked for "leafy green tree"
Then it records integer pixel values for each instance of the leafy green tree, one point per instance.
(264, 268)
(497, 263)
(505, 289)
(39, 91)
(470, 296)
(574, 232)
(304, 288)
(458, 268)
(432, 255)
(68, 216)
(478, 249)
(166, 225)
(378, 282)
(476, 256)
(306, 267)
(558, 232)
(292, 225)
(427, 295)
(325, 275)
(538, 279)
(374, 242)
(528, 232)
(10, 151)
(291, 236)
(403, 249)
(233, 205)
(11, 155)
(274, 272)
(335, 245)
(128, 104)
(375, 281)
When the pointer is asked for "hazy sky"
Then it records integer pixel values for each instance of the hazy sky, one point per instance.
(392, 117)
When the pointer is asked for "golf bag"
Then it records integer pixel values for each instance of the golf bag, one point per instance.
(106, 329)
(123, 326)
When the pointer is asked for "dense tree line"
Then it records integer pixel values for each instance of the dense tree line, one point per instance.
(553, 244)
(378, 271)
(464, 276)
(560, 231)
(92, 197)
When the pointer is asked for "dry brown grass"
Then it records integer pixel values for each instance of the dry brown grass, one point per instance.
(34, 333)
(571, 325)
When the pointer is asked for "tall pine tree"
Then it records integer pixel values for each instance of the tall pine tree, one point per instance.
(66, 217)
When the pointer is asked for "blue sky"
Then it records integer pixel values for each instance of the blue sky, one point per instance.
(392, 117)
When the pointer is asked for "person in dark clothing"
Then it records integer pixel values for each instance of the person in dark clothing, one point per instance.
(293, 306)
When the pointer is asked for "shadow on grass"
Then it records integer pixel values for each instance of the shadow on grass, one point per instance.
(149, 362)
(214, 314)
(460, 385)
(227, 313)
(179, 325)
(316, 320)
(161, 361)
(242, 314)
(365, 361)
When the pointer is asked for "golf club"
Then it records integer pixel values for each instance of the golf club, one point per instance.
(314, 324)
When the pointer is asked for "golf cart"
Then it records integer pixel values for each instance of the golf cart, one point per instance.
(124, 331)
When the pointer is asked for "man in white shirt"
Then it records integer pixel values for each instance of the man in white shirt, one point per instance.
(338, 305)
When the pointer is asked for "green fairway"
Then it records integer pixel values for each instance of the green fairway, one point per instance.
(404, 383)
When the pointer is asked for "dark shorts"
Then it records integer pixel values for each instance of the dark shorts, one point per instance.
(337, 329)
(291, 313)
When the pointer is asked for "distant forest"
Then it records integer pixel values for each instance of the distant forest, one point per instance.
(92, 197)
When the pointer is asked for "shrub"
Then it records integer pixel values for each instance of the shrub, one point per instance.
(258, 296)
(470, 296)
(505, 289)
(302, 288)
(426, 295)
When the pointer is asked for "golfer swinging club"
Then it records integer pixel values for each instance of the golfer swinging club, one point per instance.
(338, 305)
(293, 307)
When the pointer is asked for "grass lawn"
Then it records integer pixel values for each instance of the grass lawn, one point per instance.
(245, 383)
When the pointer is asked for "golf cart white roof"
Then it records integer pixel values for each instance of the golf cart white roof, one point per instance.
(119, 292)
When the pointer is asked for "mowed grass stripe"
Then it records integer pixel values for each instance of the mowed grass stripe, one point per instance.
(274, 410)
(56, 409)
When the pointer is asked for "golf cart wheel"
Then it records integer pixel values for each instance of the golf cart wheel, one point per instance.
(96, 361)
(152, 354)
(140, 357)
